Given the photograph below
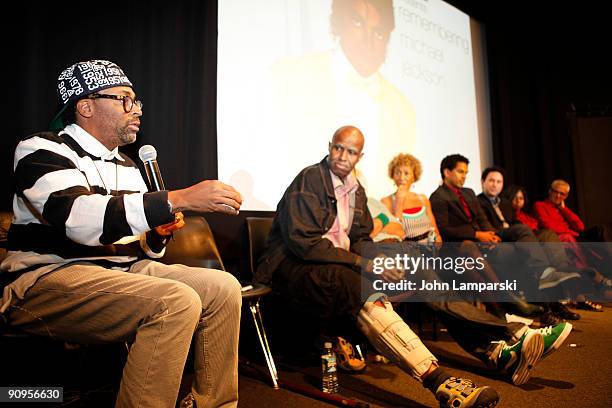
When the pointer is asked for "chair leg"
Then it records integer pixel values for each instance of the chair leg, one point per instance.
(263, 341)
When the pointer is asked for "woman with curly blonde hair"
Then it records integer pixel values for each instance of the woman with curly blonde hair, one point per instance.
(411, 209)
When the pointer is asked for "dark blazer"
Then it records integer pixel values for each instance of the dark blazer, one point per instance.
(506, 209)
(304, 214)
(452, 222)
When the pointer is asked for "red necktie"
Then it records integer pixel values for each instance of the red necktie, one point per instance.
(464, 204)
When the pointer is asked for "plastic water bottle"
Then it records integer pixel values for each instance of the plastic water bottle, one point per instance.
(329, 369)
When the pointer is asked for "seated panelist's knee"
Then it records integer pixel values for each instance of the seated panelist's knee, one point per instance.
(232, 289)
(228, 289)
(547, 235)
(469, 247)
(522, 229)
(182, 298)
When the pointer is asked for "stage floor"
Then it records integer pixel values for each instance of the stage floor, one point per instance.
(578, 375)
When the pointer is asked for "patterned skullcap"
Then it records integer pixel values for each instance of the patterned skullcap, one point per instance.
(84, 78)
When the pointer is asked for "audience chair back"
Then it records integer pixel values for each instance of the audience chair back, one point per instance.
(194, 245)
(258, 229)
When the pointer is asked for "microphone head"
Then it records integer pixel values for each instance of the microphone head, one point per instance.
(147, 153)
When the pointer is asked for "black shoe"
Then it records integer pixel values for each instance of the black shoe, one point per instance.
(590, 306)
(523, 308)
(495, 309)
(548, 318)
(563, 312)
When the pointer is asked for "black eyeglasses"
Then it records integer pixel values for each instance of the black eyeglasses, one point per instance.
(128, 101)
(561, 193)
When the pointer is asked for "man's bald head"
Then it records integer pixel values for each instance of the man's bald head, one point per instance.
(345, 150)
(350, 131)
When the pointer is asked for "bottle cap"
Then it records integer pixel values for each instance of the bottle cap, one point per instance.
(327, 344)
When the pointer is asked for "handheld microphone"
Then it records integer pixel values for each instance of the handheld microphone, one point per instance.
(148, 155)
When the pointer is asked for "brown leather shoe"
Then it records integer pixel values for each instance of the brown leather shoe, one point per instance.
(347, 360)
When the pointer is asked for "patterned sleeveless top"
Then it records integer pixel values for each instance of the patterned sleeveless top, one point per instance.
(417, 225)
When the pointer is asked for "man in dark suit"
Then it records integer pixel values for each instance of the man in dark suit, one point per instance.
(501, 215)
(458, 212)
(498, 210)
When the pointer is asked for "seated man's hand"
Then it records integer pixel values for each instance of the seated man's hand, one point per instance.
(393, 275)
(488, 236)
(168, 229)
(388, 275)
(207, 196)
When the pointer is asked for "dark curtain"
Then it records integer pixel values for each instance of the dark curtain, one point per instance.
(547, 62)
(167, 49)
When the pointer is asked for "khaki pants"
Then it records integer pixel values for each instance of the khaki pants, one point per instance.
(157, 307)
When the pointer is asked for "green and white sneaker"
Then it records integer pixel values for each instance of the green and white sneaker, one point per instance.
(554, 336)
(519, 359)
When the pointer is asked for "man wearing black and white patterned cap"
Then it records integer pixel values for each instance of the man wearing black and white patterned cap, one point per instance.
(83, 79)
(80, 244)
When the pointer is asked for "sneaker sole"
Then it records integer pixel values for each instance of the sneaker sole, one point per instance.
(487, 397)
(482, 397)
(555, 346)
(552, 284)
(531, 353)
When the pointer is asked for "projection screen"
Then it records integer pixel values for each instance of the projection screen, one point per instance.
(290, 72)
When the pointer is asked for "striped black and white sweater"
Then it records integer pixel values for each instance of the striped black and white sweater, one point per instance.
(75, 199)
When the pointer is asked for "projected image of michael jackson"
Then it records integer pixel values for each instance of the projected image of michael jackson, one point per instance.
(325, 89)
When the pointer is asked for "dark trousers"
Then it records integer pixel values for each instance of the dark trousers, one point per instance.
(473, 328)
(328, 292)
(527, 251)
(597, 238)
(554, 249)
(597, 233)
(333, 293)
